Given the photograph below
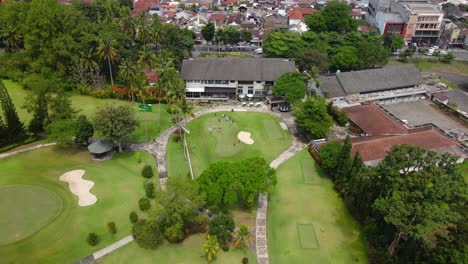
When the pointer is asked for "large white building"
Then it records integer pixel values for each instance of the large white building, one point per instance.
(222, 78)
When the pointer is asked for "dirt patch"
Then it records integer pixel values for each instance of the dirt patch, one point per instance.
(80, 187)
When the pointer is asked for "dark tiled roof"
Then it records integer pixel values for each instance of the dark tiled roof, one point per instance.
(100, 146)
(235, 69)
(331, 85)
(459, 97)
(374, 121)
(389, 77)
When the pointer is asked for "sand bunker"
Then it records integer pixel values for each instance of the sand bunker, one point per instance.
(245, 137)
(79, 187)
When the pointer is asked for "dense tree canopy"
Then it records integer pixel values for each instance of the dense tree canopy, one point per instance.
(230, 183)
(334, 17)
(312, 117)
(115, 122)
(291, 86)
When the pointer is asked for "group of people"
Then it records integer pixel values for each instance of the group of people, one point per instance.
(221, 117)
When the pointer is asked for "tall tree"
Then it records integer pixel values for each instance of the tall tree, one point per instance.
(15, 128)
(420, 195)
(12, 38)
(115, 122)
(345, 59)
(3, 133)
(146, 57)
(334, 17)
(344, 164)
(311, 117)
(208, 31)
(83, 130)
(107, 50)
(291, 86)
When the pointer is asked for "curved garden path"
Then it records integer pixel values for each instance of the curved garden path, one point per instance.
(157, 149)
(32, 147)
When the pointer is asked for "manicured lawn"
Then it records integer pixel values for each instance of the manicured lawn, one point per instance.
(189, 251)
(307, 220)
(205, 148)
(118, 186)
(88, 106)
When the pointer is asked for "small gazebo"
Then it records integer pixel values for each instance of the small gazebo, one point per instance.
(101, 149)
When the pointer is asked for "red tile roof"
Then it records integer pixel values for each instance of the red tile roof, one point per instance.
(295, 15)
(217, 17)
(151, 75)
(374, 148)
(170, 14)
(143, 5)
(374, 121)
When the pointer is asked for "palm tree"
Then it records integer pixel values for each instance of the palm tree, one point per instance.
(143, 29)
(146, 57)
(312, 76)
(164, 66)
(87, 60)
(128, 23)
(156, 31)
(242, 237)
(107, 50)
(12, 37)
(211, 247)
(128, 72)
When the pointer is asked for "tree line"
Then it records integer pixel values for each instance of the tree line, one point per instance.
(412, 205)
(84, 44)
(332, 43)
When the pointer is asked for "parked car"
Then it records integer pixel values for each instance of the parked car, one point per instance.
(259, 51)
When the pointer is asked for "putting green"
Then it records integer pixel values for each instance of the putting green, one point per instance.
(25, 209)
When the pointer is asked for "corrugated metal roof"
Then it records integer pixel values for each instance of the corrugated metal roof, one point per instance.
(235, 69)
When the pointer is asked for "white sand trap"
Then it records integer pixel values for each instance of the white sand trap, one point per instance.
(245, 137)
(79, 187)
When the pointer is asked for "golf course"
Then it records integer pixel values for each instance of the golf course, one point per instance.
(41, 219)
(151, 123)
(222, 143)
(307, 219)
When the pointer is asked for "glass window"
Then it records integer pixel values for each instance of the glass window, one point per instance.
(250, 90)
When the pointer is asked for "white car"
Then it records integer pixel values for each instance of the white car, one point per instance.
(259, 51)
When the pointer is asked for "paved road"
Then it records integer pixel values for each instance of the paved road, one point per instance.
(460, 80)
(460, 54)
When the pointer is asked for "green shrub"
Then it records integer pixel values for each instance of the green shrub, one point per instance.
(245, 260)
(149, 190)
(93, 239)
(133, 217)
(112, 228)
(147, 171)
(147, 233)
(144, 204)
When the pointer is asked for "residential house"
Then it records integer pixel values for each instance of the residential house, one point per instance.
(223, 78)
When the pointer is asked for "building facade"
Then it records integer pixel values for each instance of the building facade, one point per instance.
(418, 21)
(227, 78)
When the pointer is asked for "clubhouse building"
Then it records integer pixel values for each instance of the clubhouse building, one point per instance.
(227, 78)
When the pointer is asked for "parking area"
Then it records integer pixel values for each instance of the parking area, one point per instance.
(421, 112)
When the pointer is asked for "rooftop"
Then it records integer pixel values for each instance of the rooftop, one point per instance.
(235, 69)
(100, 146)
(374, 121)
(376, 147)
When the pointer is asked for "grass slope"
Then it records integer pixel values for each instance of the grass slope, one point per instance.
(118, 186)
(308, 221)
(189, 251)
(88, 106)
(205, 148)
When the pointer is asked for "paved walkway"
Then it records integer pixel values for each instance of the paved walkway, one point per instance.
(261, 241)
(33, 147)
(158, 148)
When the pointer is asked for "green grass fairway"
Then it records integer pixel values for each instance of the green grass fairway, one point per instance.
(88, 106)
(307, 236)
(189, 251)
(299, 213)
(118, 186)
(205, 148)
(25, 209)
